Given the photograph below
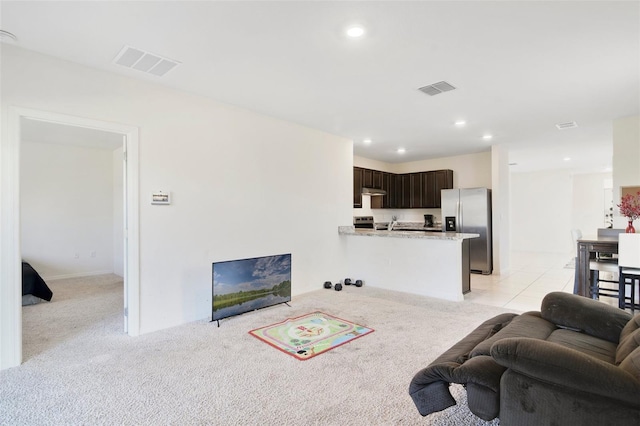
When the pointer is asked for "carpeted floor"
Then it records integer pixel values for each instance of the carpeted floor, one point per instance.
(81, 369)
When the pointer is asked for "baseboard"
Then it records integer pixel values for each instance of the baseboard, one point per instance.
(76, 275)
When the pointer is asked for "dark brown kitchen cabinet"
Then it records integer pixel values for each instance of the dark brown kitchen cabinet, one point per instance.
(443, 180)
(377, 179)
(367, 178)
(383, 201)
(432, 184)
(403, 186)
(415, 188)
(357, 187)
(429, 189)
(404, 191)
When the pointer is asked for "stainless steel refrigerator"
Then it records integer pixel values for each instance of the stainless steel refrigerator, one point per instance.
(468, 210)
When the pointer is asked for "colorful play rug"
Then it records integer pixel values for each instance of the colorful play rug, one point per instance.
(310, 335)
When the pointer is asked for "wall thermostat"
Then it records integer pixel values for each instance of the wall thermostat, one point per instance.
(160, 197)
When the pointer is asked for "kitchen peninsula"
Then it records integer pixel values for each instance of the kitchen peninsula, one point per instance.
(434, 264)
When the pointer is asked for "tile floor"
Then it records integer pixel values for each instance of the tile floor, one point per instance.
(530, 278)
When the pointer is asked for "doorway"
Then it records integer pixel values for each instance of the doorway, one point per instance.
(10, 254)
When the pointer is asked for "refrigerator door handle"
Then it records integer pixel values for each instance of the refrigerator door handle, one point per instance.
(459, 216)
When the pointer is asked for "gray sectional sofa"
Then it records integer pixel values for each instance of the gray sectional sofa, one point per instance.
(576, 362)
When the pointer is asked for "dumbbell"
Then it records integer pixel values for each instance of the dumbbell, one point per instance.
(358, 283)
(327, 284)
(337, 287)
(347, 281)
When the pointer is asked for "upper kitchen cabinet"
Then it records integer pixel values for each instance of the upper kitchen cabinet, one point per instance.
(432, 184)
(357, 186)
(444, 180)
(403, 188)
(415, 188)
(404, 191)
(367, 178)
(387, 181)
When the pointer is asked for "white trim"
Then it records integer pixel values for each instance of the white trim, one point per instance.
(10, 266)
(10, 271)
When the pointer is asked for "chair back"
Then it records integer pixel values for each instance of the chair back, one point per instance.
(609, 232)
(629, 250)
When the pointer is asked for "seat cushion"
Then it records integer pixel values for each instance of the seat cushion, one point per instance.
(529, 324)
(631, 364)
(589, 345)
(629, 339)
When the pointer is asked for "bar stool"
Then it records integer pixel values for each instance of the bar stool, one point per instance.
(629, 269)
(605, 262)
(597, 265)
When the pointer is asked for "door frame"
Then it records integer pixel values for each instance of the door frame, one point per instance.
(10, 254)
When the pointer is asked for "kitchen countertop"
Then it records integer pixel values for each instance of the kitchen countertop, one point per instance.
(412, 226)
(350, 230)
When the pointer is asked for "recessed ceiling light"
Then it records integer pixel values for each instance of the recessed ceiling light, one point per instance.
(401, 151)
(460, 123)
(355, 32)
(566, 159)
(513, 164)
(366, 141)
(487, 137)
(607, 169)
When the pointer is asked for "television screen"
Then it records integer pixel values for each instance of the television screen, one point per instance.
(245, 285)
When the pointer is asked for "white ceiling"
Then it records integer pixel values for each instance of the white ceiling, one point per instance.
(518, 67)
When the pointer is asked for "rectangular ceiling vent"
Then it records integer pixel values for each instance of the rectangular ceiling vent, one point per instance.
(567, 125)
(436, 88)
(147, 62)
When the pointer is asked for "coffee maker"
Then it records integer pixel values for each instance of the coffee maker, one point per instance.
(428, 221)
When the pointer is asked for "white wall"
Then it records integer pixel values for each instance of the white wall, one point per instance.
(243, 184)
(500, 208)
(469, 171)
(589, 202)
(541, 205)
(626, 161)
(66, 209)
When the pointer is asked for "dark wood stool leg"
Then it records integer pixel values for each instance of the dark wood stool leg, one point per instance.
(621, 290)
(594, 284)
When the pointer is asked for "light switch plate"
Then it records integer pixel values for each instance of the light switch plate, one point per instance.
(160, 197)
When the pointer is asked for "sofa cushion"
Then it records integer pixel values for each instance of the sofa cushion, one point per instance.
(585, 315)
(631, 364)
(528, 324)
(593, 346)
(459, 352)
(630, 327)
(627, 345)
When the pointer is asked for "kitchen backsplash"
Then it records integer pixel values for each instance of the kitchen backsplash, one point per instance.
(402, 215)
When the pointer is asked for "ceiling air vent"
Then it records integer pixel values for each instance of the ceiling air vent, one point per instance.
(141, 60)
(436, 88)
(567, 125)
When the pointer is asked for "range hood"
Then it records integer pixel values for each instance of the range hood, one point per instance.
(373, 191)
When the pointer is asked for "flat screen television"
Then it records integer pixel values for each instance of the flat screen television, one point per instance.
(245, 285)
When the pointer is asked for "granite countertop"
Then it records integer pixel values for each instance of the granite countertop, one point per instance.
(409, 226)
(350, 230)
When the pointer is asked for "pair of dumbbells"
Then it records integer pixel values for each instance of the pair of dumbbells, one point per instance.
(338, 286)
(358, 283)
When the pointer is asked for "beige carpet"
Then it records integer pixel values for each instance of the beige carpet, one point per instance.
(81, 369)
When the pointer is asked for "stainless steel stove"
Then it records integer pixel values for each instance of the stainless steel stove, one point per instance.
(363, 222)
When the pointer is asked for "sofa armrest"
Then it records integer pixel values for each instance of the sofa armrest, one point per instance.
(586, 315)
(567, 368)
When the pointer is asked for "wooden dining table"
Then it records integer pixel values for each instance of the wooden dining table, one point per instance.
(586, 250)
